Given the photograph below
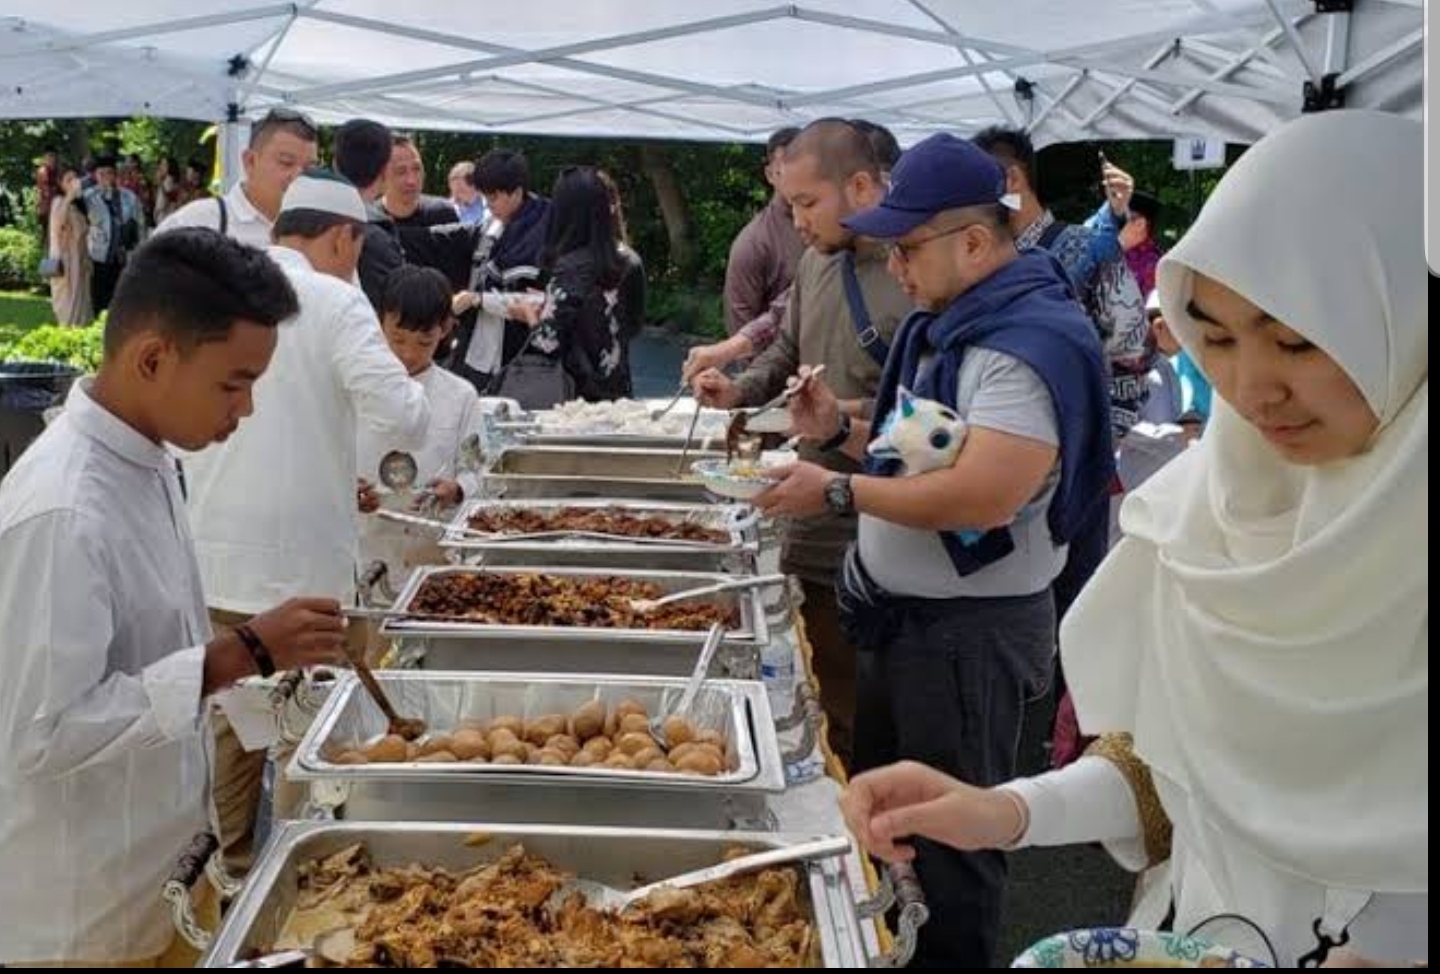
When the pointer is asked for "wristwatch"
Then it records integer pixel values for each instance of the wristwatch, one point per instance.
(839, 496)
(839, 439)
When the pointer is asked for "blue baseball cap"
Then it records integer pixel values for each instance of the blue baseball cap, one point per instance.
(942, 173)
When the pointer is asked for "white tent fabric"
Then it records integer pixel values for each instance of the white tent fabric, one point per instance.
(721, 70)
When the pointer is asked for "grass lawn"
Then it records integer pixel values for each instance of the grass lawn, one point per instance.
(21, 311)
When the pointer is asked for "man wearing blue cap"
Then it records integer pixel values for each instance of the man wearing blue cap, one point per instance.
(947, 592)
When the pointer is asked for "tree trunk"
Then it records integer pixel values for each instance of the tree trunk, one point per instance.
(77, 138)
(655, 161)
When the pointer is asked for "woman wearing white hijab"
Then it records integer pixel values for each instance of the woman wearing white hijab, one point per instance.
(1261, 634)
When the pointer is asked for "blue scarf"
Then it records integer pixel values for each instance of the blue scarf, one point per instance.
(1026, 310)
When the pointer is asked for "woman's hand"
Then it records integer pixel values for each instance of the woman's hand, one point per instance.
(883, 808)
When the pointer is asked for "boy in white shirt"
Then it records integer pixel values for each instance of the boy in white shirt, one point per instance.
(415, 316)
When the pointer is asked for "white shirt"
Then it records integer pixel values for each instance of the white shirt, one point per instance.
(1211, 875)
(243, 222)
(273, 507)
(103, 774)
(455, 413)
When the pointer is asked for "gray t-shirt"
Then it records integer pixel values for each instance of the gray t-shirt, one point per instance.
(997, 392)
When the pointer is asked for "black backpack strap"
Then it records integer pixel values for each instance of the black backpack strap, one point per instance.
(224, 227)
(865, 331)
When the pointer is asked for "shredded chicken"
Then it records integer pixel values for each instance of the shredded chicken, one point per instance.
(501, 915)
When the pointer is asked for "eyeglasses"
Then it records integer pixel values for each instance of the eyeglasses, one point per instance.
(280, 115)
(904, 251)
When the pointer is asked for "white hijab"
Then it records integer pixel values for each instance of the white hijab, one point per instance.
(1263, 628)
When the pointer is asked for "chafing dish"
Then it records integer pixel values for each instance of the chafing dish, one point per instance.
(569, 471)
(734, 552)
(613, 856)
(739, 711)
(478, 646)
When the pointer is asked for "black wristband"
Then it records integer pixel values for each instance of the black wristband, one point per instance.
(839, 439)
(258, 651)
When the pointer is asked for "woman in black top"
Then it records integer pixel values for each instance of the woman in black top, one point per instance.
(581, 323)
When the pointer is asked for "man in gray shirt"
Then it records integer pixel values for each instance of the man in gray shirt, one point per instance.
(947, 592)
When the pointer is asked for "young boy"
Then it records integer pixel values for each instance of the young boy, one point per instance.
(108, 654)
(416, 318)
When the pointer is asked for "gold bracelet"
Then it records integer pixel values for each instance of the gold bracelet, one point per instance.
(1023, 811)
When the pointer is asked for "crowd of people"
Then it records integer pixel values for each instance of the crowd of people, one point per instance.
(1246, 670)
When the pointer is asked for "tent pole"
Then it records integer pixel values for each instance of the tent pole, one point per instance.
(232, 136)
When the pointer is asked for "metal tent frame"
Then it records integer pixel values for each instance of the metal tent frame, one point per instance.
(1227, 68)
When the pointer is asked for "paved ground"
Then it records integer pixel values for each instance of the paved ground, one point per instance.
(1050, 889)
(655, 359)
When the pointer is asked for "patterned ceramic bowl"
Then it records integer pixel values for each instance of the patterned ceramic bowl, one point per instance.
(1121, 947)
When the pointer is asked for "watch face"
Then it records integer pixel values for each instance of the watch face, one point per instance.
(838, 496)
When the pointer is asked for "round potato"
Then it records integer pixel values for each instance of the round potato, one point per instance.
(474, 724)
(633, 724)
(685, 750)
(627, 707)
(507, 746)
(390, 749)
(350, 758)
(565, 744)
(508, 722)
(550, 758)
(619, 761)
(678, 730)
(468, 745)
(699, 762)
(507, 759)
(661, 766)
(632, 744)
(437, 757)
(541, 729)
(437, 743)
(601, 747)
(588, 721)
(586, 759)
(648, 756)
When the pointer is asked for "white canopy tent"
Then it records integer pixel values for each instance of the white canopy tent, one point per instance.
(722, 70)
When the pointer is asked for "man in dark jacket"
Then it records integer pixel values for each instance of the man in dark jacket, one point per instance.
(490, 266)
(362, 154)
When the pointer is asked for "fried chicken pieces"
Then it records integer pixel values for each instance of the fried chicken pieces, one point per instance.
(499, 915)
(549, 600)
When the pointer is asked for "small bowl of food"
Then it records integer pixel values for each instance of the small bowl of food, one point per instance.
(738, 479)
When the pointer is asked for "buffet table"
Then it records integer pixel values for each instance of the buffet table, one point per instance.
(782, 783)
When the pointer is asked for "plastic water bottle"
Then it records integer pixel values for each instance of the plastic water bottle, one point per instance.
(778, 657)
(777, 671)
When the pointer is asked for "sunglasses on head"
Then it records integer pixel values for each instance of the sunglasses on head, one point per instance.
(288, 116)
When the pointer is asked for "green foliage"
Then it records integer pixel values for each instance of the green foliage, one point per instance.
(19, 259)
(693, 310)
(79, 347)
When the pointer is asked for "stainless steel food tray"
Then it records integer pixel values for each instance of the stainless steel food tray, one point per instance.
(739, 523)
(739, 711)
(751, 630)
(572, 471)
(614, 856)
